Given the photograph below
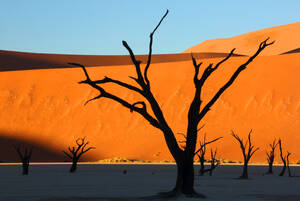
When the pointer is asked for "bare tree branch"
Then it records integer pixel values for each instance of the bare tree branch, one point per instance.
(110, 80)
(262, 46)
(137, 64)
(105, 94)
(150, 49)
(67, 154)
(206, 143)
(196, 67)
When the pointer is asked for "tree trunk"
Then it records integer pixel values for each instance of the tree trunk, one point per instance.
(289, 171)
(210, 171)
(212, 167)
(185, 178)
(25, 167)
(74, 166)
(283, 169)
(245, 171)
(202, 167)
(270, 171)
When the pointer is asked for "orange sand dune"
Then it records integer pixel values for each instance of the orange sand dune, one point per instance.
(286, 37)
(10, 60)
(46, 107)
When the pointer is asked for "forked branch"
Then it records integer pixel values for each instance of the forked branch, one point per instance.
(204, 143)
(209, 70)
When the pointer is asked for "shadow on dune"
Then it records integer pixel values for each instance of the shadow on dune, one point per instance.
(13, 61)
(40, 153)
(292, 51)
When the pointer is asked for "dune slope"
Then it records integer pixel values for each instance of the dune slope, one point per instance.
(46, 107)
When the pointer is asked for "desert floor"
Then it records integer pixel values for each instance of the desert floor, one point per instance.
(100, 182)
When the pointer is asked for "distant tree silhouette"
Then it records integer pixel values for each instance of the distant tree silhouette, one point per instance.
(184, 158)
(76, 152)
(213, 161)
(271, 156)
(25, 157)
(247, 150)
(201, 154)
(283, 158)
(288, 163)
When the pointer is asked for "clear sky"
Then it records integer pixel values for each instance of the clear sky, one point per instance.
(99, 26)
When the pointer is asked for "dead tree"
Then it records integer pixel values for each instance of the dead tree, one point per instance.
(77, 152)
(184, 158)
(247, 150)
(201, 154)
(25, 157)
(271, 156)
(288, 163)
(213, 161)
(283, 158)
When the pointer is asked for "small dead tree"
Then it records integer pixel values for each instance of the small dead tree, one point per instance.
(283, 158)
(76, 152)
(288, 163)
(247, 150)
(201, 154)
(184, 158)
(25, 157)
(271, 156)
(213, 161)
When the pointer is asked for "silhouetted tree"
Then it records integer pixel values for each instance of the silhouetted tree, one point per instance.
(288, 163)
(24, 157)
(77, 152)
(213, 161)
(247, 150)
(201, 154)
(184, 158)
(283, 158)
(271, 156)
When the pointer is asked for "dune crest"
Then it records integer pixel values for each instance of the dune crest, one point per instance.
(286, 37)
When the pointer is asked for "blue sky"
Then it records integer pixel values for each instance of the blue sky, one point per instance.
(99, 26)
